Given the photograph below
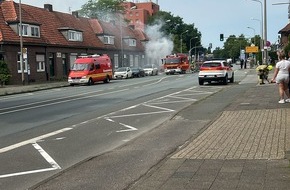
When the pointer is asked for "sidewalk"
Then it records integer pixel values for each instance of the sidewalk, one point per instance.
(16, 89)
(245, 148)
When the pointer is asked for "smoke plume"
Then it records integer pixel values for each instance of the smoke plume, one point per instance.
(158, 46)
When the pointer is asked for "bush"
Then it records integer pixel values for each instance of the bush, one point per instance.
(4, 73)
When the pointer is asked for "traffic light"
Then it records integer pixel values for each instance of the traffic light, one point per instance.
(221, 37)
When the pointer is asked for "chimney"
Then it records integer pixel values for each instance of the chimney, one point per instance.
(75, 14)
(48, 7)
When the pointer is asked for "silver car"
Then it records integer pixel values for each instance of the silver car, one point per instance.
(150, 69)
(123, 73)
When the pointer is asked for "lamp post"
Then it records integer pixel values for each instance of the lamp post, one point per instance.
(254, 34)
(181, 40)
(121, 35)
(190, 47)
(21, 44)
(195, 51)
(264, 30)
(261, 32)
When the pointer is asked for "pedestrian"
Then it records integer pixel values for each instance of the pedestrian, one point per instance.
(281, 76)
(245, 64)
(242, 63)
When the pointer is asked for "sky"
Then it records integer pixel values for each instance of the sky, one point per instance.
(210, 17)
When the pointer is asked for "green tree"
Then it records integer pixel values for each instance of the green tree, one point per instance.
(232, 47)
(4, 73)
(101, 9)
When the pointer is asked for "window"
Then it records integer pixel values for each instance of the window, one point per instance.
(75, 36)
(29, 30)
(35, 31)
(109, 40)
(25, 30)
(116, 60)
(40, 63)
(19, 65)
(132, 42)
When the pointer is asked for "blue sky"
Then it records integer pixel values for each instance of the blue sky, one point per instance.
(210, 17)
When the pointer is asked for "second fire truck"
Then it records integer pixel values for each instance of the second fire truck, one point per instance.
(176, 63)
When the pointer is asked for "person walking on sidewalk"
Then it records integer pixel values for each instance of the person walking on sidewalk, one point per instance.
(281, 76)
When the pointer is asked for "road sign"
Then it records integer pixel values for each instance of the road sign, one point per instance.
(252, 49)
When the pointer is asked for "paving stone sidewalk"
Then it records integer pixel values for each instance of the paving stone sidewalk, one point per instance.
(245, 148)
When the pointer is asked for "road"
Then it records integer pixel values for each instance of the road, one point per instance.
(47, 132)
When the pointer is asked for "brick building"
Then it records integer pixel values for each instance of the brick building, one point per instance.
(138, 13)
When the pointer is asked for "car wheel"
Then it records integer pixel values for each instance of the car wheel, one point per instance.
(90, 82)
(200, 82)
(232, 79)
(107, 79)
(225, 80)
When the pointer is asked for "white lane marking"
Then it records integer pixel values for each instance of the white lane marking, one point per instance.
(47, 157)
(63, 101)
(44, 101)
(25, 173)
(33, 140)
(160, 80)
(126, 130)
(173, 102)
(139, 114)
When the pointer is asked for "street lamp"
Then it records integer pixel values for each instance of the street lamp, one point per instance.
(195, 51)
(261, 34)
(190, 46)
(181, 40)
(21, 44)
(254, 34)
(264, 31)
(121, 35)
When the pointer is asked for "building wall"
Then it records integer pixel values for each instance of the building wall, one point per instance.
(58, 61)
(139, 16)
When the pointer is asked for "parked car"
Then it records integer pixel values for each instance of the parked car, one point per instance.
(138, 72)
(123, 73)
(150, 69)
(216, 70)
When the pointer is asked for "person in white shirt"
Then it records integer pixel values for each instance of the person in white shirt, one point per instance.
(281, 76)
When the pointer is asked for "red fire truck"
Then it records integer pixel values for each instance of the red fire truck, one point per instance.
(177, 63)
(90, 69)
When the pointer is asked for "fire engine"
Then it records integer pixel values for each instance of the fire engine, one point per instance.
(177, 63)
(90, 69)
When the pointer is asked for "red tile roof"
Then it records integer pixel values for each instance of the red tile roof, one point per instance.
(52, 22)
(286, 29)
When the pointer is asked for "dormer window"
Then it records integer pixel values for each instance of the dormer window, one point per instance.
(132, 42)
(109, 40)
(75, 36)
(29, 30)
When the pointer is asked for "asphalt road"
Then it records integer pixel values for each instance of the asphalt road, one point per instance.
(47, 132)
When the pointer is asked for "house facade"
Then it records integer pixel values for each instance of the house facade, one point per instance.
(284, 32)
(53, 40)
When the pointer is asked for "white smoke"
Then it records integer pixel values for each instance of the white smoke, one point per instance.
(158, 46)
